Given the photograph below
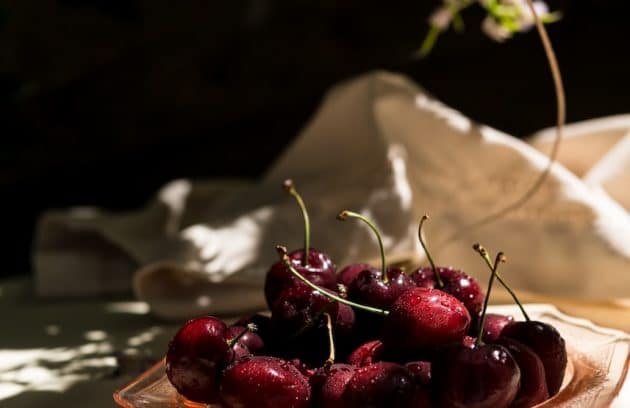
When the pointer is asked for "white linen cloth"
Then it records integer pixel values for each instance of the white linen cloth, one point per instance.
(380, 145)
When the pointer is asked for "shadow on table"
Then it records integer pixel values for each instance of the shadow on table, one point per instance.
(73, 352)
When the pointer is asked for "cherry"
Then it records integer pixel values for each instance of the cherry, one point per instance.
(381, 384)
(350, 272)
(306, 371)
(495, 323)
(456, 283)
(485, 375)
(533, 387)
(421, 370)
(344, 321)
(370, 287)
(316, 266)
(297, 318)
(245, 340)
(425, 318)
(263, 325)
(195, 355)
(265, 382)
(541, 337)
(282, 252)
(329, 383)
(547, 343)
(452, 281)
(298, 308)
(319, 270)
(469, 341)
(367, 353)
(373, 287)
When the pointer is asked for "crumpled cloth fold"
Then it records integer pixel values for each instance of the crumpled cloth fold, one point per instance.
(380, 145)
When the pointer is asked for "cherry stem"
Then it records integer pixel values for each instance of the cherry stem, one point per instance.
(438, 278)
(331, 342)
(250, 327)
(484, 254)
(500, 258)
(289, 187)
(345, 214)
(282, 251)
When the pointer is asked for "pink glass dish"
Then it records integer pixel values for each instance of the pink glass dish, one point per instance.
(598, 365)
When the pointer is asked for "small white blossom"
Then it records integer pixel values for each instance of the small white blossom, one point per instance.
(526, 19)
(441, 18)
(494, 30)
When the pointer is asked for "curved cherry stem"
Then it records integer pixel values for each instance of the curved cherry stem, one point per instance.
(345, 214)
(282, 251)
(331, 342)
(250, 327)
(484, 254)
(438, 278)
(289, 187)
(500, 258)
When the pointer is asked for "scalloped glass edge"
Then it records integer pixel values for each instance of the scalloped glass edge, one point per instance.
(599, 359)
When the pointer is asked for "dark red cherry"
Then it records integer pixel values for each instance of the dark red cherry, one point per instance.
(533, 387)
(306, 371)
(299, 308)
(248, 342)
(329, 383)
(494, 325)
(264, 382)
(369, 287)
(482, 377)
(421, 370)
(319, 269)
(547, 343)
(367, 353)
(195, 355)
(264, 329)
(469, 341)
(343, 321)
(350, 272)
(425, 318)
(381, 384)
(456, 283)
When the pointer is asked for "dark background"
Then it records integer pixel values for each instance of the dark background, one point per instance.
(105, 100)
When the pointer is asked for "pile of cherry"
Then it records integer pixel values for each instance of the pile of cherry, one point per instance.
(368, 337)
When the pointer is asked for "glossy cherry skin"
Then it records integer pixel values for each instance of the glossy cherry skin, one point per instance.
(381, 384)
(195, 355)
(248, 343)
(482, 377)
(369, 288)
(547, 343)
(348, 274)
(533, 387)
(456, 283)
(421, 370)
(425, 318)
(344, 320)
(299, 308)
(264, 382)
(494, 326)
(262, 322)
(320, 270)
(329, 383)
(367, 353)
